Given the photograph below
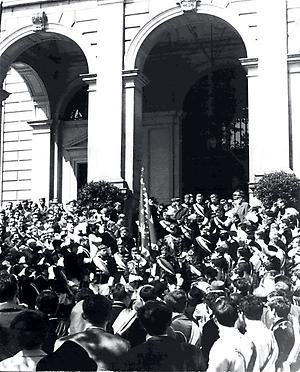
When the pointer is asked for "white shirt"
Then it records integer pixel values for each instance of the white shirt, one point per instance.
(232, 352)
(24, 360)
(265, 343)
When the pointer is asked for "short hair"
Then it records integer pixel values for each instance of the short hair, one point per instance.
(118, 292)
(282, 306)
(226, 311)
(243, 285)
(83, 293)
(252, 307)
(47, 302)
(211, 298)
(176, 300)
(195, 295)
(155, 317)
(148, 292)
(8, 286)
(29, 328)
(97, 309)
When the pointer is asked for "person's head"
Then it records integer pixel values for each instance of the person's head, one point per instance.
(176, 300)
(252, 307)
(155, 317)
(280, 306)
(121, 292)
(199, 198)
(29, 329)
(123, 231)
(97, 310)
(83, 293)
(47, 302)
(281, 203)
(195, 295)
(8, 287)
(225, 311)
(214, 199)
(242, 285)
(147, 292)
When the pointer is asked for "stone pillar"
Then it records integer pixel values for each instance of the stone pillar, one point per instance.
(134, 81)
(294, 89)
(250, 65)
(41, 165)
(272, 146)
(105, 130)
(94, 131)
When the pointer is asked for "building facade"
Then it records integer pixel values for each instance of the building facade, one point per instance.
(202, 94)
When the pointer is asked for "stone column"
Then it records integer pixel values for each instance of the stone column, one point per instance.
(134, 81)
(294, 89)
(105, 131)
(94, 132)
(272, 146)
(250, 65)
(41, 165)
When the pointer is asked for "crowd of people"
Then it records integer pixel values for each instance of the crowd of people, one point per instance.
(217, 290)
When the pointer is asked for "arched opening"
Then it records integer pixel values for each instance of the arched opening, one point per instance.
(58, 62)
(194, 108)
(215, 133)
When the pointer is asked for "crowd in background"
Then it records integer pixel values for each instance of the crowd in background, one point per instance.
(218, 289)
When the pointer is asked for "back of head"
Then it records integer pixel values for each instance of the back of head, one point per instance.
(97, 309)
(226, 311)
(29, 328)
(47, 302)
(8, 286)
(242, 285)
(119, 292)
(252, 307)
(176, 301)
(155, 317)
(148, 293)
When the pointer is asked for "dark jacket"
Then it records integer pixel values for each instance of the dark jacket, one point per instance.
(162, 353)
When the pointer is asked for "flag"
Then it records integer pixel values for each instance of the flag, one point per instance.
(146, 226)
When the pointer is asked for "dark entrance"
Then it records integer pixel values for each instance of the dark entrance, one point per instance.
(81, 175)
(215, 134)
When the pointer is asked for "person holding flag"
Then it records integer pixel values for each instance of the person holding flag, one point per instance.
(147, 232)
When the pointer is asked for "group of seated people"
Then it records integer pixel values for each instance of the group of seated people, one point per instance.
(218, 289)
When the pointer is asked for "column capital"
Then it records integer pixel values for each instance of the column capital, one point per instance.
(134, 79)
(91, 80)
(293, 63)
(250, 65)
(40, 126)
(3, 95)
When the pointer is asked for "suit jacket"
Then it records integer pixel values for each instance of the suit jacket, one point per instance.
(162, 353)
(104, 348)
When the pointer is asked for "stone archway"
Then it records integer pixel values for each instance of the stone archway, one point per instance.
(141, 124)
(173, 58)
(57, 61)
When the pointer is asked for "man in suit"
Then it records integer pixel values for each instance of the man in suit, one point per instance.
(104, 348)
(160, 352)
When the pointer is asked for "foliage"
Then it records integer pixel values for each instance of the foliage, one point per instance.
(277, 185)
(95, 194)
